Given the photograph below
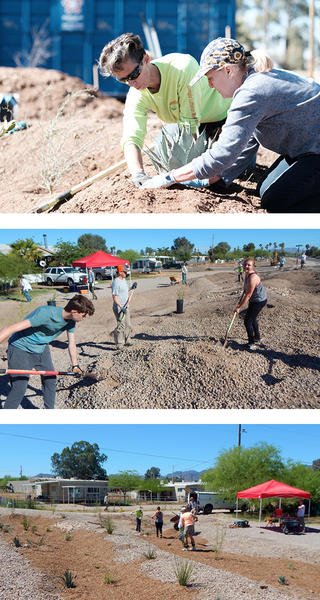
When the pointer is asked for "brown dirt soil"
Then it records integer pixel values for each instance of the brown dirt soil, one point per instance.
(176, 361)
(89, 556)
(94, 122)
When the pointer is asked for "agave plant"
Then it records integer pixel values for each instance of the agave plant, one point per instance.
(172, 152)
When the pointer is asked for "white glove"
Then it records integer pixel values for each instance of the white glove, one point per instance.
(164, 180)
(197, 183)
(139, 178)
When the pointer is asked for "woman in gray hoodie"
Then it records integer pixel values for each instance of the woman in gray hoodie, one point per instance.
(272, 107)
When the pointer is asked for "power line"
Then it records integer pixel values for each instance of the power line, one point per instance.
(107, 449)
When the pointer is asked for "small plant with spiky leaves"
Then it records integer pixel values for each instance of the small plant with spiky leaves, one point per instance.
(68, 580)
(108, 578)
(183, 571)
(17, 542)
(106, 523)
(172, 152)
(282, 580)
(68, 537)
(150, 554)
(25, 523)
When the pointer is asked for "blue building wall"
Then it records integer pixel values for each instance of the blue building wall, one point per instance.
(78, 29)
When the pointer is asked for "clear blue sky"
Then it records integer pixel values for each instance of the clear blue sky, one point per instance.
(138, 239)
(138, 447)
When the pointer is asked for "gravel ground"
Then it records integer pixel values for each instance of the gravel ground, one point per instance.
(25, 583)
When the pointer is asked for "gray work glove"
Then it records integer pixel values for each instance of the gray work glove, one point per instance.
(139, 178)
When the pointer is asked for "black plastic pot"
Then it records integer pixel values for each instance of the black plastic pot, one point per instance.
(51, 303)
(179, 306)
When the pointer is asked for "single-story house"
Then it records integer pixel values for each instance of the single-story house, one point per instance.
(72, 491)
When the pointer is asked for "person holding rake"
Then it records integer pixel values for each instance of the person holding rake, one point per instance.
(255, 294)
(29, 346)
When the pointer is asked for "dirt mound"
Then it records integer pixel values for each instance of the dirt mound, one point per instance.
(98, 125)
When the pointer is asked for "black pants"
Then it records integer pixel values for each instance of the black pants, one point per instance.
(251, 322)
(159, 529)
(138, 524)
(291, 186)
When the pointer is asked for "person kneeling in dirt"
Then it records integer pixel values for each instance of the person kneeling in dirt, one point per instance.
(256, 295)
(160, 85)
(120, 295)
(29, 346)
(188, 519)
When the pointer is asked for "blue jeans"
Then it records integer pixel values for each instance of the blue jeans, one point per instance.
(292, 186)
(27, 295)
(19, 359)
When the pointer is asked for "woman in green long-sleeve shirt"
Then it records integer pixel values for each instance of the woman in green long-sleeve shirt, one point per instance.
(162, 86)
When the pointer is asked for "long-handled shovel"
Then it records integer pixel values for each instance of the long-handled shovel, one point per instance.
(48, 373)
(229, 329)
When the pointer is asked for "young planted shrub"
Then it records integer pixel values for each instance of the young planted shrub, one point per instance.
(106, 523)
(68, 580)
(183, 571)
(25, 523)
(150, 554)
(68, 537)
(175, 151)
(108, 578)
(16, 542)
(282, 580)
(220, 534)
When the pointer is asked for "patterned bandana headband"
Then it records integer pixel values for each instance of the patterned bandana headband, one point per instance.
(218, 53)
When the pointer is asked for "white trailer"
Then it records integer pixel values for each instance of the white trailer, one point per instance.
(208, 501)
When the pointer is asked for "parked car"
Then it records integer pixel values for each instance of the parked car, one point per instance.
(60, 275)
(173, 265)
(107, 272)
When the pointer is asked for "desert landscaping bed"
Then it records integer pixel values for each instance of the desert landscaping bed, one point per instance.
(55, 543)
(90, 132)
(176, 361)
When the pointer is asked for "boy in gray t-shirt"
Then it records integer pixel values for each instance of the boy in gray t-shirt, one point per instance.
(29, 341)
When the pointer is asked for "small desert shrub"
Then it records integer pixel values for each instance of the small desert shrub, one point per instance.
(108, 578)
(106, 523)
(183, 571)
(150, 554)
(220, 534)
(25, 523)
(48, 529)
(282, 580)
(34, 528)
(16, 542)
(41, 541)
(68, 580)
(68, 537)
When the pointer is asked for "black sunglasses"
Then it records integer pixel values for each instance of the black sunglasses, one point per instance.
(133, 75)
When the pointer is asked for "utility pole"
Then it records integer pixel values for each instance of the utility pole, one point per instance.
(172, 473)
(20, 471)
(240, 431)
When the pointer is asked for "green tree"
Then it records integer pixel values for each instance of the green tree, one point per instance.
(66, 252)
(219, 251)
(181, 242)
(248, 247)
(92, 242)
(183, 253)
(126, 481)
(152, 485)
(12, 265)
(130, 255)
(83, 461)
(304, 478)
(240, 468)
(26, 249)
(152, 473)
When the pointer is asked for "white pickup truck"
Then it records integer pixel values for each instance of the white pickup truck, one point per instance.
(208, 501)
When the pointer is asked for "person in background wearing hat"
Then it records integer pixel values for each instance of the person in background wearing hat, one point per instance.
(272, 107)
(120, 295)
(162, 86)
(139, 514)
(188, 519)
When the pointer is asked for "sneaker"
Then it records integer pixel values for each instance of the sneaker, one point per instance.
(193, 549)
(252, 346)
(185, 549)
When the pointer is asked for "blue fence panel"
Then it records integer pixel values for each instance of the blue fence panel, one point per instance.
(78, 37)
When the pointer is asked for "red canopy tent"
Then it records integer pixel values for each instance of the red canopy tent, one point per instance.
(100, 259)
(273, 489)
